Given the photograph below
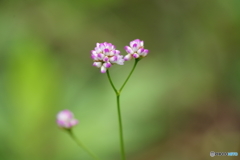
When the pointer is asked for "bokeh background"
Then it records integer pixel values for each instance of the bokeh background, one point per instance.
(182, 101)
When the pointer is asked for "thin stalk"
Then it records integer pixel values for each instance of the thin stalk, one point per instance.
(134, 66)
(119, 118)
(110, 80)
(118, 107)
(81, 145)
(120, 128)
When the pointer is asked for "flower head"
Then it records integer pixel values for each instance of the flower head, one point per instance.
(135, 50)
(65, 119)
(105, 55)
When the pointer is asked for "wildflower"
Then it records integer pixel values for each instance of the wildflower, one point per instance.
(105, 55)
(65, 119)
(135, 50)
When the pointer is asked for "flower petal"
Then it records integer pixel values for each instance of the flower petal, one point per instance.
(103, 69)
(140, 51)
(145, 53)
(135, 55)
(100, 56)
(113, 59)
(106, 51)
(107, 65)
(73, 122)
(97, 64)
(141, 43)
(65, 114)
(116, 52)
(128, 57)
(105, 59)
(128, 49)
(120, 60)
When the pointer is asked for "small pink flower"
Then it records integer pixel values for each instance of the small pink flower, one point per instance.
(135, 50)
(105, 55)
(65, 119)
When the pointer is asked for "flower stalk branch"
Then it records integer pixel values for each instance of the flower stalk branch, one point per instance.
(135, 64)
(118, 93)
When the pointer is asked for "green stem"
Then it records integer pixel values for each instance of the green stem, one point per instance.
(110, 80)
(134, 66)
(120, 128)
(119, 117)
(118, 107)
(81, 145)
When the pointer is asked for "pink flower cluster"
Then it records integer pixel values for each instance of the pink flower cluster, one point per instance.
(135, 50)
(105, 54)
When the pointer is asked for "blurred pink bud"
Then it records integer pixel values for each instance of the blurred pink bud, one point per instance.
(65, 119)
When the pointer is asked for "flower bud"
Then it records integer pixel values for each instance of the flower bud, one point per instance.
(65, 119)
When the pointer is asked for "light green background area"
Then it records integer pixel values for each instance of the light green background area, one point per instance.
(181, 102)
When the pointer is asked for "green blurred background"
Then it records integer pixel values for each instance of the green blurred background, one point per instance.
(182, 101)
